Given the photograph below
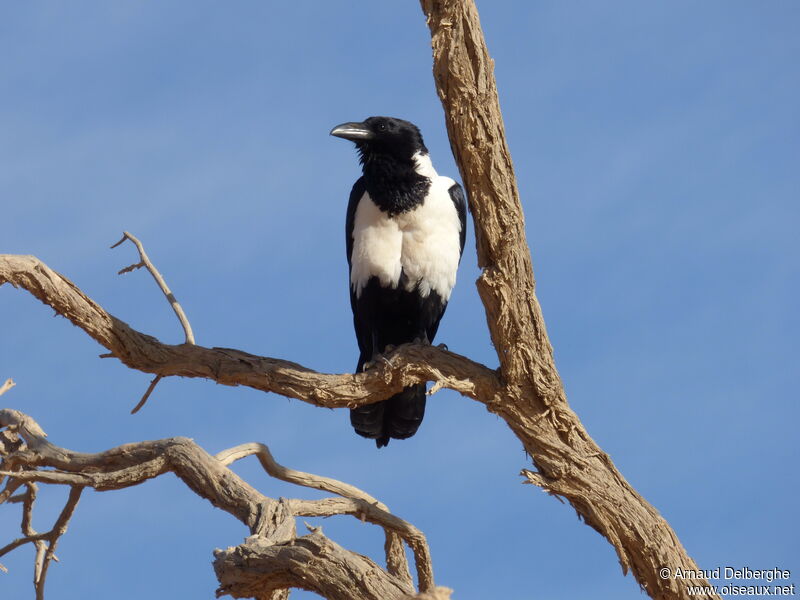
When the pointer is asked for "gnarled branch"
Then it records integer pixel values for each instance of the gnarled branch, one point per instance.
(34, 459)
(412, 363)
(396, 562)
(335, 573)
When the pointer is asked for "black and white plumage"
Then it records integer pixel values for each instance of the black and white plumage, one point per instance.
(405, 233)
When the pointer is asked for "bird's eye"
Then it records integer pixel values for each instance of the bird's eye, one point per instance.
(382, 127)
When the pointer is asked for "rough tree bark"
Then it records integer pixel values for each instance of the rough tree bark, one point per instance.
(272, 560)
(569, 463)
(526, 390)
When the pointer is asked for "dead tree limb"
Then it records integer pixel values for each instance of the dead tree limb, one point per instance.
(396, 562)
(265, 573)
(162, 284)
(413, 363)
(173, 302)
(568, 461)
(256, 567)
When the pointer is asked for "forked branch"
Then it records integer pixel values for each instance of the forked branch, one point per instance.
(396, 562)
(32, 459)
(162, 284)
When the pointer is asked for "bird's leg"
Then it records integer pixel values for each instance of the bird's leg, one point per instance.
(379, 356)
(422, 339)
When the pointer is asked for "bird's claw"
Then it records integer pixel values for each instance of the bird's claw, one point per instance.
(442, 346)
(374, 362)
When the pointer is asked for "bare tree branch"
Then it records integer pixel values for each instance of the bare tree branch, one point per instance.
(146, 394)
(145, 262)
(278, 471)
(396, 562)
(45, 553)
(162, 284)
(58, 530)
(371, 513)
(569, 462)
(7, 385)
(413, 363)
(270, 521)
(332, 572)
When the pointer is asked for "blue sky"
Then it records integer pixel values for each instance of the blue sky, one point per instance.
(656, 146)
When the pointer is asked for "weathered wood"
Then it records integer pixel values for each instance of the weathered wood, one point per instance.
(411, 363)
(328, 569)
(534, 404)
(27, 457)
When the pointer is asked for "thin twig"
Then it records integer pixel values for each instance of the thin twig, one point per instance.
(27, 509)
(149, 391)
(187, 328)
(21, 541)
(145, 262)
(9, 383)
(30, 533)
(59, 529)
(11, 486)
(45, 543)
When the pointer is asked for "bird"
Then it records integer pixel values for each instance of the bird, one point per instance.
(404, 235)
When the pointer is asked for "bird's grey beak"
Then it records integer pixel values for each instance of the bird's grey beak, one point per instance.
(355, 132)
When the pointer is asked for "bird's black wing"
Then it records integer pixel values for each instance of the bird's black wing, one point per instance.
(458, 198)
(363, 334)
(359, 187)
(366, 420)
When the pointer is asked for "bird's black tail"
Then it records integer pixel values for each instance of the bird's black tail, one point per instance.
(397, 417)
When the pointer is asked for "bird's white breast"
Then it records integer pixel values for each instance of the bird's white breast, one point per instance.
(377, 247)
(423, 243)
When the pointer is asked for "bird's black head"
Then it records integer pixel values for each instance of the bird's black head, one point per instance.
(387, 148)
(385, 136)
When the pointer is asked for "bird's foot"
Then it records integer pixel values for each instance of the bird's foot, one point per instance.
(376, 358)
(442, 346)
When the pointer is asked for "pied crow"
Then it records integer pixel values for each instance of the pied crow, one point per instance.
(404, 233)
